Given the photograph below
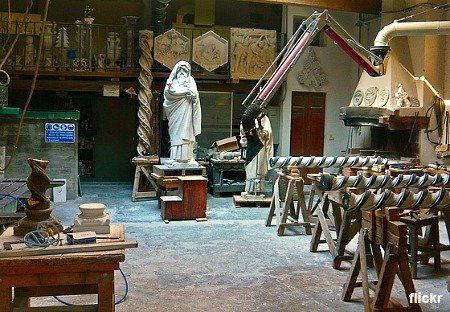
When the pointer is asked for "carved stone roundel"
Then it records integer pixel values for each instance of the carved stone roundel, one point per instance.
(383, 97)
(370, 96)
(357, 97)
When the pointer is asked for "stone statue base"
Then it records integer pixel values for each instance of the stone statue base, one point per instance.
(32, 220)
(92, 218)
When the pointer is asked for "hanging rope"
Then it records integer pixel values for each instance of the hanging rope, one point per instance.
(33, 85)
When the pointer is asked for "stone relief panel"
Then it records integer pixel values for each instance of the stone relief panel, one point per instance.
(252, 52)
(171, 47)
(210, 51)
(312, 74)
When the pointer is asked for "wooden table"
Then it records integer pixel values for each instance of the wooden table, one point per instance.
(60, 274)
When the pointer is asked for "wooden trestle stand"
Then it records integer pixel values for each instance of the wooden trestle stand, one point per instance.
(288, 205)
(377, 231)
(144, 187)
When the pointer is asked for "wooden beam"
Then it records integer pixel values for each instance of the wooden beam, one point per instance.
(371, 6)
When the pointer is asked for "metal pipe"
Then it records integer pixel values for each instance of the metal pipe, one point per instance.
(396, 29)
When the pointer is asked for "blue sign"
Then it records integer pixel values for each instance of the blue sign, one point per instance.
(60, 133)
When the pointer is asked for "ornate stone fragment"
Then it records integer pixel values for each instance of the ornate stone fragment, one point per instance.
(171, 47)
(210, 51)
(252, 52)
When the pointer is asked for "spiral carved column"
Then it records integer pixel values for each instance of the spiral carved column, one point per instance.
(145, 96)
(332, 183)
(324, 162)
(38, 209)
(368, 201)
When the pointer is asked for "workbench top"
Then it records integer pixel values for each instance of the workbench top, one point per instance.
(65, 254)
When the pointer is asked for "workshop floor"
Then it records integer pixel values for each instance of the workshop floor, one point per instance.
(232, 262)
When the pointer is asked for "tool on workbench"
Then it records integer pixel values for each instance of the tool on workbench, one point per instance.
(86, 237)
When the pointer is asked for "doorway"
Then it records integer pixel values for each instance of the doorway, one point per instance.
(307, 126)
(115, 121)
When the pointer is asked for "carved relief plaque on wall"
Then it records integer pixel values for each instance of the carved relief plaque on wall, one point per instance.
(312, 74)
(252, 52)
(171, 47)
(210, 51)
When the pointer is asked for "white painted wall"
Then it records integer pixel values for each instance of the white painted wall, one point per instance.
(342, 75)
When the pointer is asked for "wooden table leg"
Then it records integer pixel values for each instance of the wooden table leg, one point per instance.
(106, 292)
(21, 298)
(5, 297)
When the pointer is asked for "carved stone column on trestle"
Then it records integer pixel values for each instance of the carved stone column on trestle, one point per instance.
(38, 208)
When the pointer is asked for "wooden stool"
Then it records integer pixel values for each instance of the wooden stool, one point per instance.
(428, 250)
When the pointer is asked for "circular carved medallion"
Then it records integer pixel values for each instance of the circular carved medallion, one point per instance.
(370, 96)
(383, 97)
(357, 97)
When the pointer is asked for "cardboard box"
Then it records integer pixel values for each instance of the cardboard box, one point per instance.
(225, 145)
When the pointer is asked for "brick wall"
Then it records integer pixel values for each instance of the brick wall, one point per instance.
(62, 157)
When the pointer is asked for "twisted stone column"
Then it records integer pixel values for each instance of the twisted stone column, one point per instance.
(38, 208)
(145, 96)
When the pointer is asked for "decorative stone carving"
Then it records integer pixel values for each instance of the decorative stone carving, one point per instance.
(92, 218)
(210, 51)
(402, 97)
(252, 52)
(383, 97)
(312, 74)
(30, 51)
(370, 95)
(48, 46)
(113, 50)
(357, 98)
(172, 47)
(145, 96)
(130, 22)
(39, 208)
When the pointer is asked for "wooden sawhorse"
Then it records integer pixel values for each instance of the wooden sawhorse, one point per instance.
(395, 262)
(346, 225)
(285, 207)
(144, 186)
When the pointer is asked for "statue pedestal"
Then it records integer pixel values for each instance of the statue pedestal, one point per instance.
(166, 176)
(92, 218)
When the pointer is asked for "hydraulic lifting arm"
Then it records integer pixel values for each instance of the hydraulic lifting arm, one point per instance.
(373, 63)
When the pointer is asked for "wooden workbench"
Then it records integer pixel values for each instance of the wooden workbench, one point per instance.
(68, 273)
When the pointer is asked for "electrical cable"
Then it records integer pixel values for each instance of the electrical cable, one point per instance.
(439, 119)
(33, 85)
(115, 303)
(16, 198)
(42, 236)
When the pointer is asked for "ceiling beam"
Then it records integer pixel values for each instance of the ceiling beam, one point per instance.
(366, 6)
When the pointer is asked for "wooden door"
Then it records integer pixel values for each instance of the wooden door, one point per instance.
(307, 126)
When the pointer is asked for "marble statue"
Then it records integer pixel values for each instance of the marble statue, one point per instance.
(256, 169)
(183, 111)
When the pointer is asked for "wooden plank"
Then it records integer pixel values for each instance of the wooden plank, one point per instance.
(81, 308)
(53, 250)
(240, 201)
(371, 7)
